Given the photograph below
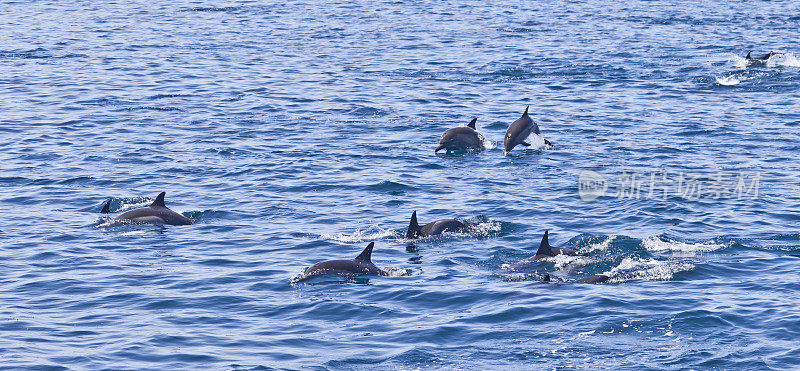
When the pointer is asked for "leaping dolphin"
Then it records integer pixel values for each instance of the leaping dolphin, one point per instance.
(156, 213)
(362, 264)
(520, 130)
(462, 138)
(432, 228)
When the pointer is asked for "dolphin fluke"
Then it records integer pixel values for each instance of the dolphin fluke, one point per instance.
(544, 247)
(413, 227)
(106, 207)
(472, 124)
(366, 255)
(159, 200)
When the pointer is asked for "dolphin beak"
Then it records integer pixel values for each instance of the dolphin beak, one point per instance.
(439, 148)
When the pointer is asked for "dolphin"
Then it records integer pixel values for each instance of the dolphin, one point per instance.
(544, 251)
(362, 264)
(598, 278)
(520, 130)
(761, 58)
(432, 228)
(462, 138)
(156, 213)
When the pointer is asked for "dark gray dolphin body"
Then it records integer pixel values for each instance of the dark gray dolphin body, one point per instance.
(761, 58)
(544, 248)
(520, 130)
(463, 138)
(432, 228)
(598, 278)
(156, 213)
(545, 251)
(362, 264)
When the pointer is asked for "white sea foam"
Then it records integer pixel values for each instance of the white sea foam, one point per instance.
(660, 245)
(370, 233)
(485, 228)
(647, 269)
(785, 60)
(728, 80)
(488, 144)
(569, 262)
(600, 246)
(740, 62)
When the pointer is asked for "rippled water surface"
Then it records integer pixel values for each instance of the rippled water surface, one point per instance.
(297, 132)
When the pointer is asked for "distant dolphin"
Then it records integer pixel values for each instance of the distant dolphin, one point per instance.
(598, 278)
(544, 251)
(462, 138)
(761, 58)
(156, 213)
(432, 228)
(362, 264)
(520, 130)
(544, 246)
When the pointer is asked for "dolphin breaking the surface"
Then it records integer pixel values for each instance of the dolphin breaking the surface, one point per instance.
(462, 138)
(362, 264)
(156, 213)
(432, 228)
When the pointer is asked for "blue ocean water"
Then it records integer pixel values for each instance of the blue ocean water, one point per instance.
(298, 132)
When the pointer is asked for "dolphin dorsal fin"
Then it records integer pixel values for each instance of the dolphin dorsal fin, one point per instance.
(526, 111)
(159, 200)
(413, 226)
(472, 124)
(366, 255)
(544, 247)
(748, 55)
(106, 207)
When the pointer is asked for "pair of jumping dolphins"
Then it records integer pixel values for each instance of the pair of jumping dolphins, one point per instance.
(467, 138)
(362, 264)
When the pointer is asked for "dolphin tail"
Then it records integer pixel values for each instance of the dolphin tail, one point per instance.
(106, 207)
(366, 255)
(547, 142)
(748, 55)
(544, 247)
(472, 124)
(413, 227)
(159, 200)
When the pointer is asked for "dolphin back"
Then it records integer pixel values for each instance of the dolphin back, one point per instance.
(413, 227)
(544, 246)
(366, 255)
